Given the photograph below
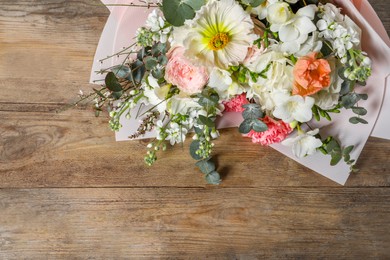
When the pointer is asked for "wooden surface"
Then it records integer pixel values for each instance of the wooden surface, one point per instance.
(68, 190)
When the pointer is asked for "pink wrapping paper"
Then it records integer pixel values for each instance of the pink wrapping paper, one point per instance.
(123, 22)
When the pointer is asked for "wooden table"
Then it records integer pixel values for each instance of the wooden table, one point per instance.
(68, 190)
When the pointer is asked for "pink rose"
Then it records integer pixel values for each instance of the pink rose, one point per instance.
(182, 73)
(235, 104)
(277, 132)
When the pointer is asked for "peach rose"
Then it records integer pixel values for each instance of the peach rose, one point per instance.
(311, 75)
(180, 72)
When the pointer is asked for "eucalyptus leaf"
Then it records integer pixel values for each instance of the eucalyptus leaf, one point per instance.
(194, 146)
(349, 100)
(356, 120)
(206, 166)
(259, 126)
(333, 146)
(336, 158)
(213, 178)
(112, 82)
(195, 4)
(138, 71)
(121, 71)
(117, 95)
(252, 111)
(162, 60)
(245, 127)
(150, 62)
(206, 121)
(359, 111)
(348, 150)
(177, 11)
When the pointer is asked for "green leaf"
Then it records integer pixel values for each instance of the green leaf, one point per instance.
(253, 3)
(359, 111)
(195, 4)
(138, 69)
(117, 95)
(150, 62)
(363, 96)
(158, 73)
(177, 11)
(194, 146)
(121, 71)
(162, 60)
(252, 111)
(112, 82)
(256, 3)
(259, 126)
(206, 166)
(336, 158)
(206, 121)
(213, 178)
(345, 87)
(333, 146)
(356, 120)
(245, 127)
(349, 100)
(198, 131)
(314, 109)
(348, 150)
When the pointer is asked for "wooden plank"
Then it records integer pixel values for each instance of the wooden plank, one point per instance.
(75, 149)
(298, 223)
(47, 48)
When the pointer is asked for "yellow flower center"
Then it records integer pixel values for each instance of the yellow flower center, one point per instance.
(218, 41)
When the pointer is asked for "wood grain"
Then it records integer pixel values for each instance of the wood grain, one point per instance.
(69, 191)
(228, 223)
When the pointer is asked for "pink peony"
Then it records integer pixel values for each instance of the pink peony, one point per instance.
(182, 73)
(277, 132)
(235, 104)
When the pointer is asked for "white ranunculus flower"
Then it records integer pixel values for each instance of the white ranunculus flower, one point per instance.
(304, 144)
(293, 108)
(219, 35)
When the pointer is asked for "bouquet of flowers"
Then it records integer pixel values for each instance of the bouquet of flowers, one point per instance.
(283, 64)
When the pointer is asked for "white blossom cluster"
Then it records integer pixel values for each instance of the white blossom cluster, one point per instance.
(338, 29)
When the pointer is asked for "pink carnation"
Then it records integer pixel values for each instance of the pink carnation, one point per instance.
(235, 104)
(277, 132)
(182, 73)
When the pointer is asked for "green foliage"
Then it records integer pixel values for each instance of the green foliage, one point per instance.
(356, 120)
(213, 178)
(206, 121)
(177, 11)
(332, 147)
(112, 82)
(206, 166)
(252, 111)
(194, 147)
(251, 116)
(253, 3)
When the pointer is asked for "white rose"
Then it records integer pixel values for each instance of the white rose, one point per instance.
(278, 14)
